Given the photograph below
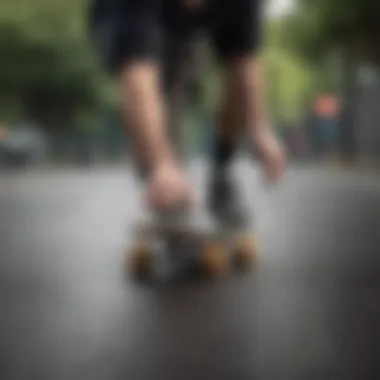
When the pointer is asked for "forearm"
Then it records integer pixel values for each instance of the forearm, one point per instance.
(145, 113)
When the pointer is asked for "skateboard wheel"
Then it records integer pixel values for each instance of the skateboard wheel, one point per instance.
(140, 263)
(245, 252)
(213, 261)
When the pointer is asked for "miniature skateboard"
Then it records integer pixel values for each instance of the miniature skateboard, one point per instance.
(209, 251)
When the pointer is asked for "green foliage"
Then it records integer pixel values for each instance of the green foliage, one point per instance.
(46, 62)
(306, 48)
(289, 75)
(289, 82)
(321, 25)
(48, 71)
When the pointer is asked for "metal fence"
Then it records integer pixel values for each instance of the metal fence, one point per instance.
(367, 119)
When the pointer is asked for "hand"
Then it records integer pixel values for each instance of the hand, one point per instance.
(168, 188)
(271, 153)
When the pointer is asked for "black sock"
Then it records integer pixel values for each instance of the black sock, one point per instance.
(223, 153)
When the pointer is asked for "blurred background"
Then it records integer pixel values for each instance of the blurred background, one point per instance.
(311, 308)
(58, 107)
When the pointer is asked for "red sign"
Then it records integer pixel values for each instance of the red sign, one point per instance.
(3, 133)
(326, 106)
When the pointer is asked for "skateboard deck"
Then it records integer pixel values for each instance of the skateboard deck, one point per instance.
(207, 249)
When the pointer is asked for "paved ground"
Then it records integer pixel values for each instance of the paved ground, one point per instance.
(311, 311)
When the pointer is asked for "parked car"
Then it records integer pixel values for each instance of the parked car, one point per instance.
(23, 145)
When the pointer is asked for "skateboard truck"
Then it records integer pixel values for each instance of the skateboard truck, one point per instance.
(187, 244)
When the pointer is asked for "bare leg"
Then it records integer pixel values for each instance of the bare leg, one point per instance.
(242, 110)
(184, 63)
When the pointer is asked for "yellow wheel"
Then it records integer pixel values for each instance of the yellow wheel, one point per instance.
(246, 252)
(140, 261)
(213, 261)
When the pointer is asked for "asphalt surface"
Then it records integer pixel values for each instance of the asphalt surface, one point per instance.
(310, 311)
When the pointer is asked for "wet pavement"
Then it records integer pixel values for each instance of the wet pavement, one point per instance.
(311, 310)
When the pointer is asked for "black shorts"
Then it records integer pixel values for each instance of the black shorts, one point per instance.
(143, 29)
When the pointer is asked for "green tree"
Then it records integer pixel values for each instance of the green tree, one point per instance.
(47, 70)
(322, 30)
